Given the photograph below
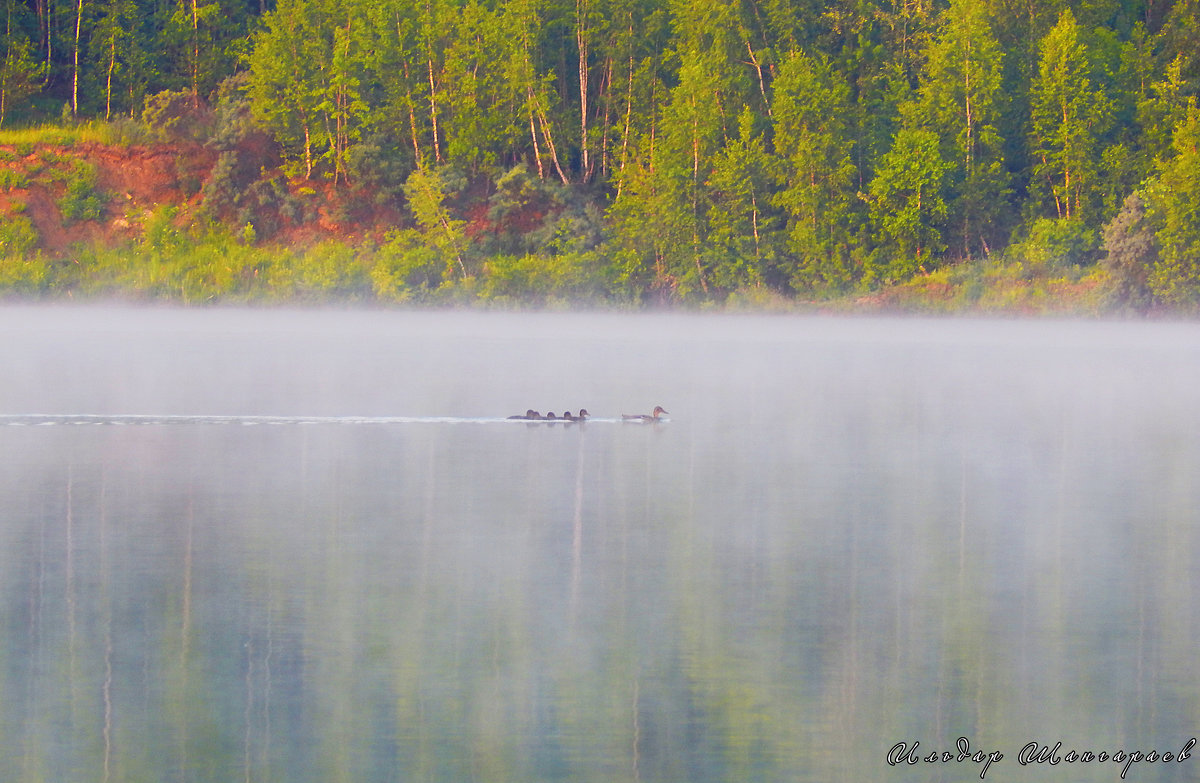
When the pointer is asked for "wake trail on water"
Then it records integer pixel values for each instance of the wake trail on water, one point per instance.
(99, 419)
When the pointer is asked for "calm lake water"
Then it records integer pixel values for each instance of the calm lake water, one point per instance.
(850, 534)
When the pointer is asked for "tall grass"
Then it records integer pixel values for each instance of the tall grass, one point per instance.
(121, 132)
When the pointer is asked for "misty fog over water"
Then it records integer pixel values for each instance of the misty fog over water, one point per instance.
(327, 555)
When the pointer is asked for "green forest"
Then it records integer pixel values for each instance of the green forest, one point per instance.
(653, 151)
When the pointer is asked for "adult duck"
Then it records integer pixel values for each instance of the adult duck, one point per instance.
(658, 412)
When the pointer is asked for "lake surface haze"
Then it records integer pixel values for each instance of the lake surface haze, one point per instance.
(294, 546)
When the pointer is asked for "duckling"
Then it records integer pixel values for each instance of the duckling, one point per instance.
(530, 414)
(581, 417)
(642, 417)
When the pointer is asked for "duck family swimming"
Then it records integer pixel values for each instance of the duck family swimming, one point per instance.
(532, 415)
(583, 415)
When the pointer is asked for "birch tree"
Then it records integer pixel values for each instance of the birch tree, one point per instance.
(810, 109)
(960, 99)
(1175, 207)
(20, 72)
(1070, 116)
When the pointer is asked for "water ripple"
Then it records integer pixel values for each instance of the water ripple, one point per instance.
(100, 419)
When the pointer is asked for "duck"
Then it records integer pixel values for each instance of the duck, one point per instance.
(530, 415)
(550, 416)
(658, 411)
(581, 416)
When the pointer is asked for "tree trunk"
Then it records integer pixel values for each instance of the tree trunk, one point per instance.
(606, 98)
(75, 74)
(628, 117)
(762, 86)
(581, 39)
(437, 147)
(112, 63)
(45, 29)
(537, 151)
(308, 165)
(195, 55)
(550, 143)
(412, 114)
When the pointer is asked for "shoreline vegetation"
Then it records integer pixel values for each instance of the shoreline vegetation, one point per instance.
(940, 157)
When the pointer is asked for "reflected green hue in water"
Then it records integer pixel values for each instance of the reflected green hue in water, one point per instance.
(851, 534)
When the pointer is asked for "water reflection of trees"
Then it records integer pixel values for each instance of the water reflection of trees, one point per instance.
(353, 611)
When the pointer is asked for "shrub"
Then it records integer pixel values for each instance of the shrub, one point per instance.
(233, 121)
(1055, 246)
(174, 115)
(326, 270)
(405, 269)
(544, 279)
(121, 131)
(22, 268)
(1130, 254)
(82, 199)
(381, 166)
(12, 179)
(236, 191)
(18, 236)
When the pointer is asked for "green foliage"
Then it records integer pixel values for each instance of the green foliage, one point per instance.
(161, 237)
(23, 268)
(238, 192)
(118, 60)
(532, 216)
(650, 227)
(327, 270)
(224, 185)
(636, 150)
(206, 41)
(1161, 108)
(1175, 208)
(959, 99)
(233, 115)
(908, 202)
(13, 178)
(18, 237)
(82, 199)
(174, 115)
(20, 72)
(810, 108)
(560, 279)
(1129, 255)
(426, 191)
(743, 240)
(477, 128)
(306, 80)
(406, 269)
(375, 164)
(120, 132)
(1069, 118)
(205, 262)
(1056, 245)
